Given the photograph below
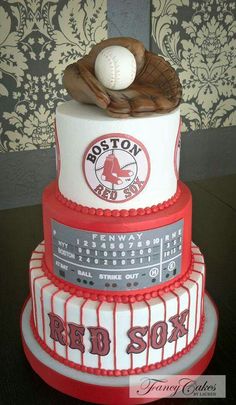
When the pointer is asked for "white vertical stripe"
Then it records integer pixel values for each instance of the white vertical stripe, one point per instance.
(89, 319)
(58, 305)
(34, 274)
(38, 287)
(157, 314)
(171, 310)
(106, 322)
(183, 304)
(48, 292)
(123, 319)
(140, 318)
(73, 316)
(193, 297)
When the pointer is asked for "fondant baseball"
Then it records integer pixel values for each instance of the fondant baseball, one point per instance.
(115, 67)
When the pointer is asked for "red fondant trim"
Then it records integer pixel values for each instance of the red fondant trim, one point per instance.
(73, 290)
(38, 254)
(97, 371)
(98, 393)
(53, 210)
(35, 268)
(133, 212)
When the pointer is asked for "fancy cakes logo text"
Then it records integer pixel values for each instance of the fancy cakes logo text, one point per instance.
(116, 167)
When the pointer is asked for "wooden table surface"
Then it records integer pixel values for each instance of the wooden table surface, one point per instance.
(214, 230)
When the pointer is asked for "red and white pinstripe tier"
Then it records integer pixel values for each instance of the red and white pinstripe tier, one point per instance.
(140, 335)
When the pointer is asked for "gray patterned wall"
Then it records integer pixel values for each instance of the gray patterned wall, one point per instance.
(38, 40)
(198, 39)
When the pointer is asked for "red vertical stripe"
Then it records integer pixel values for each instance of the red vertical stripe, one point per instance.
(196, 256)
(52, 310)
(65, 319)
(81, 322)
(34, 298)
(131, 325)
(35, 268)
(164, 303)
(203, 286)
(189, 300)
(39, 254)
(98, 323)
(203, 289)
(148, 335)
(37, 259)
(196, 310)
(31, 288)
(42, 308)
(114, 334)
(178, 311)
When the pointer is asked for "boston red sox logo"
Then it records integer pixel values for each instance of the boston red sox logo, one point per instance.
(116, 167)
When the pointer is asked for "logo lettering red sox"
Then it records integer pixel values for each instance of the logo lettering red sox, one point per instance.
(116, 167)
(100, 338)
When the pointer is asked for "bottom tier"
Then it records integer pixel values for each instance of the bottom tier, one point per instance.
(114, 390)
(117, 338)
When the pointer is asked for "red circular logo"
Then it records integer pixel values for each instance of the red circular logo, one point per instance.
(116, 167)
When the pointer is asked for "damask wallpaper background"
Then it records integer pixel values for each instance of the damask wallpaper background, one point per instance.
(38, 38)
(198, 38)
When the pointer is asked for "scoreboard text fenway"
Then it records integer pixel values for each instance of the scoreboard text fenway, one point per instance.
(117, 261)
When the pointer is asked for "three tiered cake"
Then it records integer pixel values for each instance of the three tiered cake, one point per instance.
(117, 287)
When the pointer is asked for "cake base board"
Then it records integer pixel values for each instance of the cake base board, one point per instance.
(114, 390)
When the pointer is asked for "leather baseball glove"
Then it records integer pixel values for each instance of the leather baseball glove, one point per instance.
(156, 87)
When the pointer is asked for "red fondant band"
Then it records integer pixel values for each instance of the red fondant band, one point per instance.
(181, 210)
(117, 373)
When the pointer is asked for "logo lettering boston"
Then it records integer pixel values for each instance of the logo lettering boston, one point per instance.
(116, 167)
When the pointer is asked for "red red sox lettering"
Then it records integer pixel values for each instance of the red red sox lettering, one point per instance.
(72, 334)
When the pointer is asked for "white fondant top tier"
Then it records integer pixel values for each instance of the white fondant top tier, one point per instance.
(113, 163)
